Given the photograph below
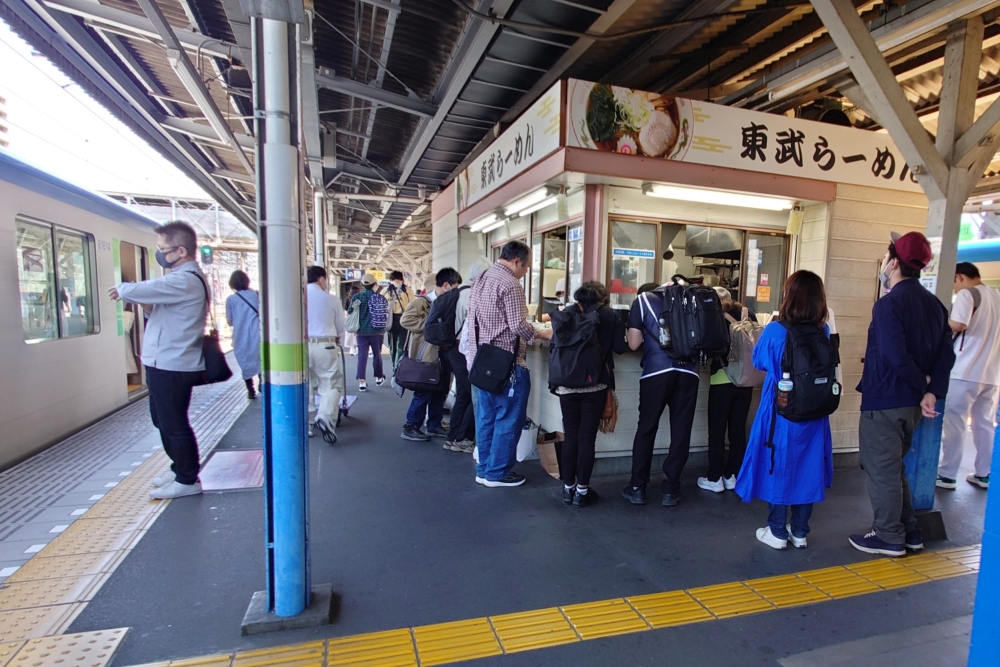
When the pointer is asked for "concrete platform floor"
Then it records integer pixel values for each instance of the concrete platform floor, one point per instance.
(407, 538)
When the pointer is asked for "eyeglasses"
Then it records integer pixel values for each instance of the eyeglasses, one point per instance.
(167, 251)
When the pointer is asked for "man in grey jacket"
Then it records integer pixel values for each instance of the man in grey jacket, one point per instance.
(172, 353)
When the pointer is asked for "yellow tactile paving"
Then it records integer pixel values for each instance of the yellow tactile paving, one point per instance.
(888, 574)
(728, 600)
(44, 592)
(380, 649)
(85, 649)
(603, 619)
(35, 622)
(86, 525)
(297, 655)
(8, 651)
(453, 642)
(79, 543)
(838, 582)
(533, 629)
(65, 566)
(663, 610)
(787, 591)
(935, 566)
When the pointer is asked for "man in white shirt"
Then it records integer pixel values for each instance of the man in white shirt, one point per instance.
(172, 353)
(326, 327)
(975, 377)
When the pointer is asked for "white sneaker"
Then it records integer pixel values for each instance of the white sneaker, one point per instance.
(767, 537)
(362, 385)
(729, 483)
(797, 542)
(160, 480)
(480, 480)
(175, 490)
(717, 486)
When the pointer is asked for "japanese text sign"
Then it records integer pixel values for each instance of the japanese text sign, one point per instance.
(622, 120)
(534, 135)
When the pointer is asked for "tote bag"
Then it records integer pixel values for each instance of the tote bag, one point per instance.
(216, 367)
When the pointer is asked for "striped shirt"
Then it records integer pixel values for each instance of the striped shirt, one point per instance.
(498, 313)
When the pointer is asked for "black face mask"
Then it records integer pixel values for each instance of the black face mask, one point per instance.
(161, 259)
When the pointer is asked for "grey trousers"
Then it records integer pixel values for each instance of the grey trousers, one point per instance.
(884, 438)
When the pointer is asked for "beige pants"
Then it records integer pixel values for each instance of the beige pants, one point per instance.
(968, 402)
(326, 378)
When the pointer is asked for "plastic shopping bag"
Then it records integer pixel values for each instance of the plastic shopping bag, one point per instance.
(527, 445)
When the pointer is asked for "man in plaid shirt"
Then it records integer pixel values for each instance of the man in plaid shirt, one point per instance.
(498, 315)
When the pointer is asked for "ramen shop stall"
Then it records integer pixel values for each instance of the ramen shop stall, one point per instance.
(630, 188)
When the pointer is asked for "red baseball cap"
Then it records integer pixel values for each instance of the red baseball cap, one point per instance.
(912, 249)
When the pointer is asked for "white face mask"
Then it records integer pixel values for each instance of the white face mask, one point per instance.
(397, 283)
(432, 296)
(885, 278)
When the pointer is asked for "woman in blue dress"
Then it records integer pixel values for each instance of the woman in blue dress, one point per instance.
(243, 315)
(802, 464)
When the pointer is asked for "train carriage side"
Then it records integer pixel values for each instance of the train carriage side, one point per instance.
(69, 354)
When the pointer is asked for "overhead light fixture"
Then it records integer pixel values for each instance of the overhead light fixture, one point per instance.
(724, 197)
(548, 201)
(483, 222)
(988, 202)
(528, 200)
(496, 225)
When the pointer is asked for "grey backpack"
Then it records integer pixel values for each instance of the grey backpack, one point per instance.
(743, 336)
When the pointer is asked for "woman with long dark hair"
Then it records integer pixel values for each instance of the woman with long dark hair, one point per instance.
(243, 315)
(792, 469)
(582, 407)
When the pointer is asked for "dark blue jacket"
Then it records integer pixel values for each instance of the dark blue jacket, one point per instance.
(908, 339)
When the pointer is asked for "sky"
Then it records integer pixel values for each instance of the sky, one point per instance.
(54, 125)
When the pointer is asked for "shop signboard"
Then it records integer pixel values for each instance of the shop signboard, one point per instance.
(533, 136)
(623, 120)
(929, 276)
(353, 274)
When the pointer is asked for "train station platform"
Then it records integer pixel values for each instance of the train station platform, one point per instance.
(430, 568)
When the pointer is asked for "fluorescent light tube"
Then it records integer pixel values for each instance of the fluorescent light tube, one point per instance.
(548, 201)
(496, 225)
(519, 205)
(484, 221)
(723, 197)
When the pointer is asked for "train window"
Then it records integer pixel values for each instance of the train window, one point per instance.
(55, 278)
(76, 311)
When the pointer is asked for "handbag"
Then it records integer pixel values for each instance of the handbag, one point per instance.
(492, 366)
(417, 375)
(353, 320)
(609, 417)
(216, 367)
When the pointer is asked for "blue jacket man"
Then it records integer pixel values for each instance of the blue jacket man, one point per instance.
(908, 361)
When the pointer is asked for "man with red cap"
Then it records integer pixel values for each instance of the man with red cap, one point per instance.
(908, 362)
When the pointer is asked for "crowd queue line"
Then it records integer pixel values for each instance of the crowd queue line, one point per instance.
(479, 332)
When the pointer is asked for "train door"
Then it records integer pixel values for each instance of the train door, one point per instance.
(134, 268)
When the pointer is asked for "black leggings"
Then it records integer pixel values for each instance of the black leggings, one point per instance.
(728, 407)
(581, 415)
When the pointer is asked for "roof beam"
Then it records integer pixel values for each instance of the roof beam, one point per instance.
(471, 47)
(117, 18)
(189, 76)
(963, 53)
(325, 78)
(197, 130)
(862, 55)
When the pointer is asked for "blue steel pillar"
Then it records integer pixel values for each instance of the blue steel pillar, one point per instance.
(985, 650)
(921, 461)
(284, 352)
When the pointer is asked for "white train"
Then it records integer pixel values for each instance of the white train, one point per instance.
(69, 354)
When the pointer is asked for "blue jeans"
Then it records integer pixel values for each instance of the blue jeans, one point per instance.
(499, 421)
(777, 519)
(429, 404)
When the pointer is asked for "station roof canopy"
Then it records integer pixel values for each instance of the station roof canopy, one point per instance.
(410, 90)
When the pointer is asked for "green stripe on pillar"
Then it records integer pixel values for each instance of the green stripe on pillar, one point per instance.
(288, 357)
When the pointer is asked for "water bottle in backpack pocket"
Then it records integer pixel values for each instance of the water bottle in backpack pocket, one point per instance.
(692, 322)
(808, 388)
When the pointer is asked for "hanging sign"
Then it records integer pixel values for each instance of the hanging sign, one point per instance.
(628, 252)
(353, 274)
(633, 122)
(929, 276)
(534, 135)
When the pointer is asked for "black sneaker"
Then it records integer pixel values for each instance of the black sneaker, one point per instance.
(326, 431)
(568, 494)
(634, 494)
(873, 544)
(512, 479)
(414, 434)
(438, 432)
(588, 498)
(670, 499)
(914, 540)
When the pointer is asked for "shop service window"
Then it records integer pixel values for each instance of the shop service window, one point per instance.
(633, 259)
(55, 279)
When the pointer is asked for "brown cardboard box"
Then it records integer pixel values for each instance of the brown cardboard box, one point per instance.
(548, 446)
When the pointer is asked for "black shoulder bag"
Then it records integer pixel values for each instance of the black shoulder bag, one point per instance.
(493, 365)
(216, 368)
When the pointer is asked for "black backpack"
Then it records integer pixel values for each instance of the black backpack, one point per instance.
(439, 328)
(696, 322)
(811, 361)
(575, 357)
